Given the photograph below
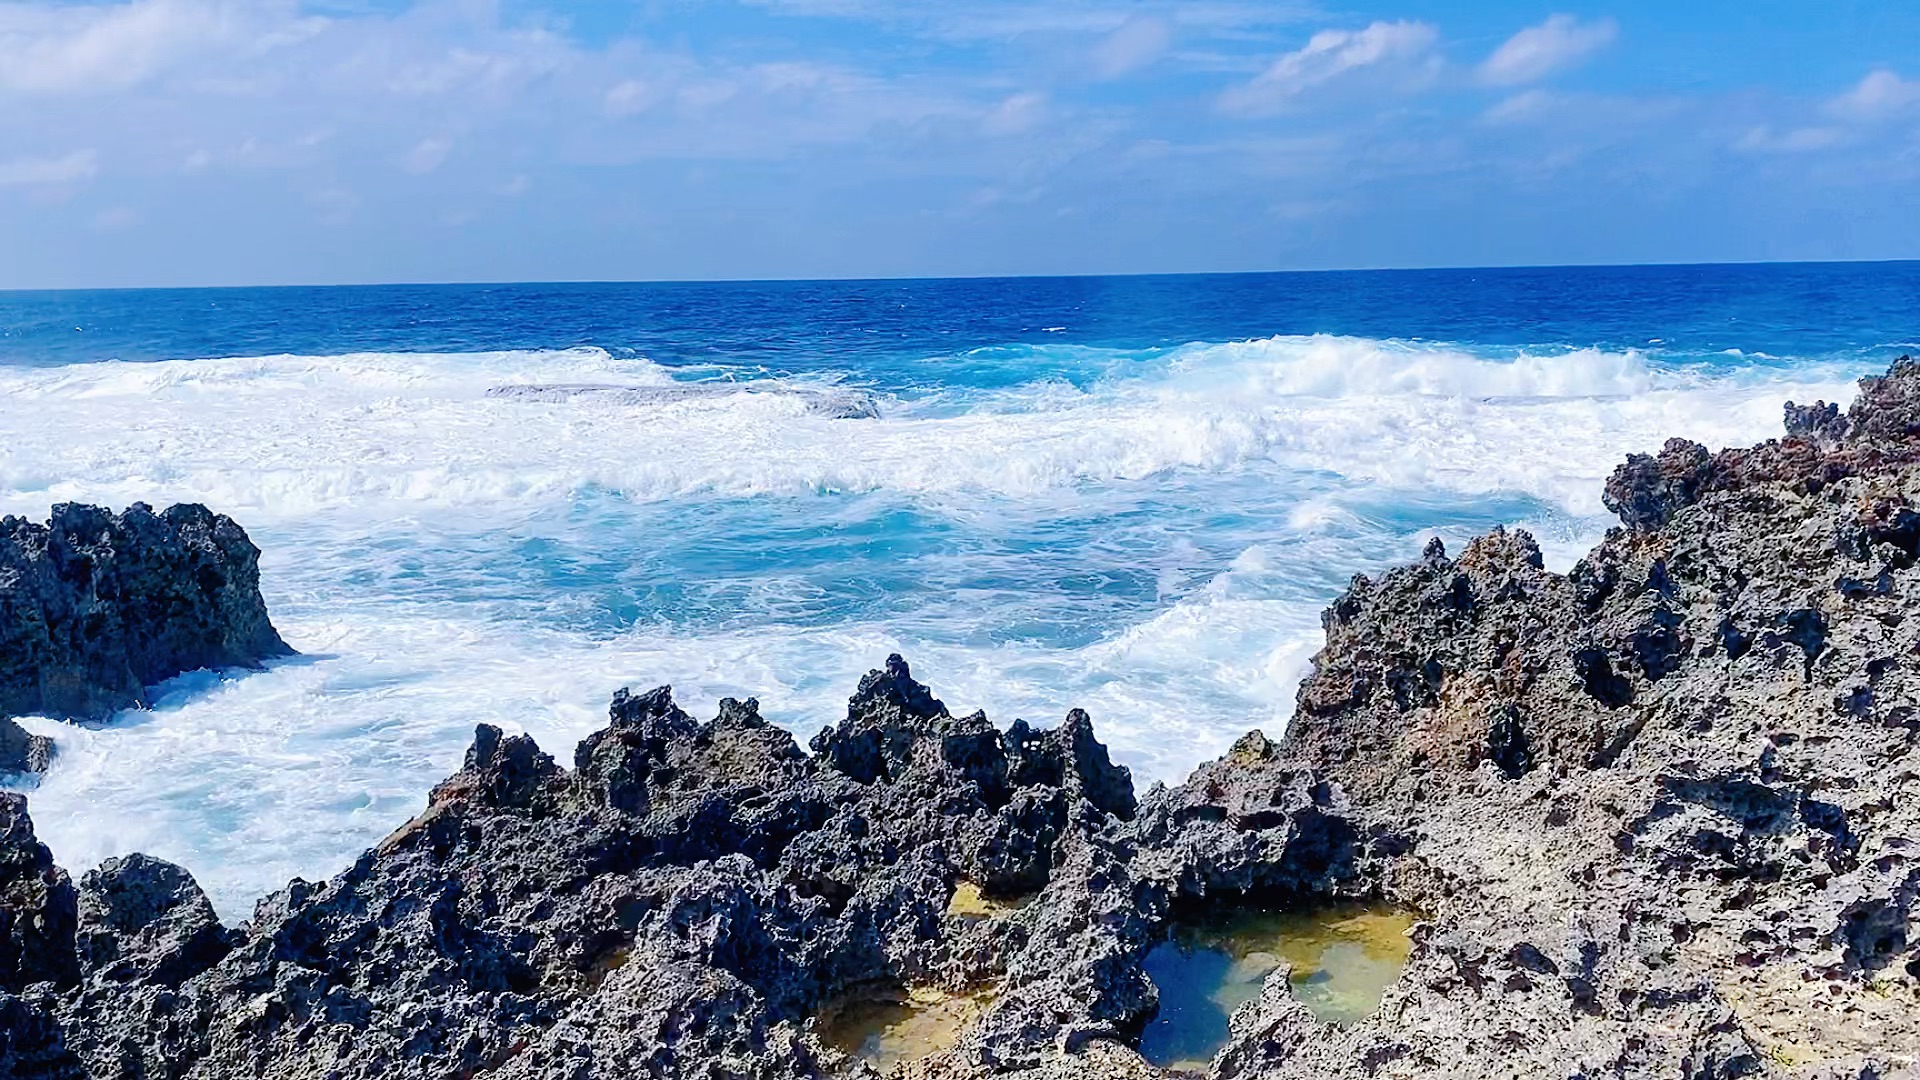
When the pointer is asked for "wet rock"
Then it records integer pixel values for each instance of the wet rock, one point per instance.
(1647, 491)
(22, 752)
(95, 607)
(38, 906)
(1660, 816)
(1820, 422)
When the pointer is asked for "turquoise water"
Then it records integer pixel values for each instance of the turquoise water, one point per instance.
(1129, 495)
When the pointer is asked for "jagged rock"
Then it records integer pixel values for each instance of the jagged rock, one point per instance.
(146, 920)
(38, 906)
(21, 751)
(1647, 491)
(1820, 422)
(32, 1046)
(681, 902)
(1702, 864)
(95, 607)
(1660, 816)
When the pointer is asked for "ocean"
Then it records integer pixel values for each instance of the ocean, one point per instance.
(1132, 495)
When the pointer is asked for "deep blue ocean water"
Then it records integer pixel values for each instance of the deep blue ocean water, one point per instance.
(1128, 494)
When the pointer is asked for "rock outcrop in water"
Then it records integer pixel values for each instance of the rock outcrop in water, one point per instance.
(1659, 815)
(96, 606)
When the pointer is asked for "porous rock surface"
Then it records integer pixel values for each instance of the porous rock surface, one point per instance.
(95, 607)
(1658, 815)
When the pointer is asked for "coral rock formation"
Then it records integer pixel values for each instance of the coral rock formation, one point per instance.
(1659, 815)
(95, 607)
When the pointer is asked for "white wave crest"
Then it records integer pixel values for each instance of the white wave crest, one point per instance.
(274, 437)
(1328, 366)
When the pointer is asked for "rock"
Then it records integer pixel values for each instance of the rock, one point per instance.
(145, 929)
(683, 901)
(38, 906)
(1819, 422)
(31, 1043)
(1647, 491)
(95, 607)
(1694, 855)
(22, 752)
(1660, 816)
(147, 920)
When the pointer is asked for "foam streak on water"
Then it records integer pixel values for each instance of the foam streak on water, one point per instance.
(1149, 534)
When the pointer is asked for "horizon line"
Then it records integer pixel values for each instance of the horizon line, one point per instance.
(883, 278)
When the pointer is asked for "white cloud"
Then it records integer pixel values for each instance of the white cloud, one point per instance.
(1133, 46)
(631, 97)
(426, 155)
(115, 218)
(1009, 20)
(50, 171)
(92, 48)
(1016, 115)
(1539, 51)
(1519, 108)
(1881, 94)
(1800, 140)
(1327, 56)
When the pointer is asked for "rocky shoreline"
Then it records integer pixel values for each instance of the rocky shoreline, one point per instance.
(95, 607)
(1658, 815)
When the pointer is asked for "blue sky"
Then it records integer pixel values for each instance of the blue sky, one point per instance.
(161, 142)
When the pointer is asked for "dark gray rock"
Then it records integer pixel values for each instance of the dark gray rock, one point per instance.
(95, 607)
(32, 1046)
(680, 903)
(22, 752)
(1660, 815)
(38, 906)
(141, 919)
(1647, 491)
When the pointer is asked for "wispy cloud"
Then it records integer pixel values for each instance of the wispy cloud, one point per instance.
(50, 171)
(1001, 20)
(99, 48)
(426, 155)
(1880, 95)
(1553, 46)
(1859, 115)
(1800, 140)
(1134, 45)
(1330, 56)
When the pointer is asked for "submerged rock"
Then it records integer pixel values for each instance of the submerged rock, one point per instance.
(95, 607)
(838, 403)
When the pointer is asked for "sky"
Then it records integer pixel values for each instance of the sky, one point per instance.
(190, 142)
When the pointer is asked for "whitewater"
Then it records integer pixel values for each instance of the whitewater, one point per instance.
(1149, 534)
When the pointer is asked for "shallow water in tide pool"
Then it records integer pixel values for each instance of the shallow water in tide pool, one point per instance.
(1343, 960)
(889, 1031)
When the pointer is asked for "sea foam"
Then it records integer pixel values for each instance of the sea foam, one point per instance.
(1149, 534)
